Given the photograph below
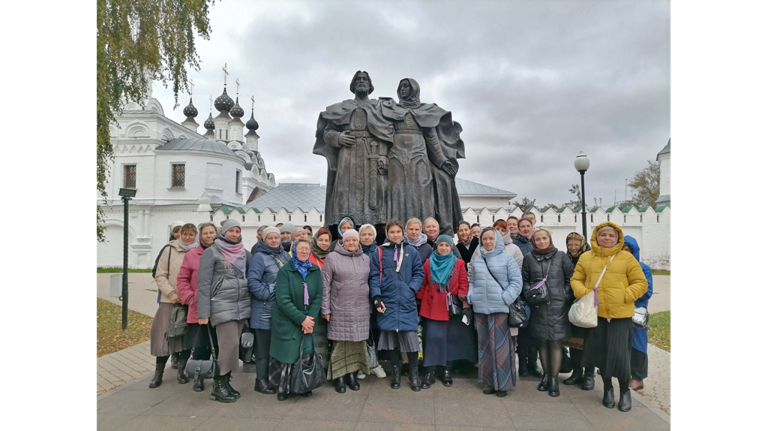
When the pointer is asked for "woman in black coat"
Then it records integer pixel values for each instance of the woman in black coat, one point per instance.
(549, 321)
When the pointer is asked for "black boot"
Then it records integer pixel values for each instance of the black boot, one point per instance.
(157, 379)
(262, 386)
(534, 369)
(413, 376)
(181, 376)
(608, 397)
(232, 390)
(175, 361)
(281, 396)
(221, 391)
(544, 385)
(576, 378)
(554, 387)
(340, 386)
(589, 379)
(198, 385)
(351, 379)
(395, 376)
(625, 401)
(429, 378)
(522, 367)
(447, 379)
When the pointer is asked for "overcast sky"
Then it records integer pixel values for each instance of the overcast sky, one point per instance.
(531, 82)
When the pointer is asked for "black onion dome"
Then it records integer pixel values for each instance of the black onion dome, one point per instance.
(252, 124)
(224, 103)
(209, 123)
(236, 110)
(190, 111)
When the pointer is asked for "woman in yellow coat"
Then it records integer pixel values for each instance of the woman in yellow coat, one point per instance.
(607, 346)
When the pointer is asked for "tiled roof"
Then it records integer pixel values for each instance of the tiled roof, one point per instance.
(466, 187)
(291, 196)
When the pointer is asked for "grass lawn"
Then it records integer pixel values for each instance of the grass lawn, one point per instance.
(117, 269)
(109, 332)
(660, 272)
(660, 332)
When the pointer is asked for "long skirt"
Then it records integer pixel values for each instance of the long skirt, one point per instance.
(280, 373)
(463, 340)
(159, 344)
(449, 340)
(228, 334)
(196, 338)
(496, 365)
(607, 347)
(638, 364)
(348, 357)
(405, 341)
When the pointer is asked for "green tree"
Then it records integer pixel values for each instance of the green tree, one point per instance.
(524, 204)
(574, 203)
(645, 185)
(137, 42)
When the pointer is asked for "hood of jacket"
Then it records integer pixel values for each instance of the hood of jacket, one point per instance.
(344, 252)
(600, 251)
(632, 244)
(262, 247)
(498, 246)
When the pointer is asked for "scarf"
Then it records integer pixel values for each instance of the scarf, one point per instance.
(232, 251)
(419, 241)
(302, 267)
(507, 239)
(319, 253)
(467, 243)
(544, 251)
(398, 257)
(369, 250)
(413, 99)
(192, 246)
(441, 267)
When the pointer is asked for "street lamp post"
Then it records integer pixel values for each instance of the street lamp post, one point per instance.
(582, 164)
(126, 195)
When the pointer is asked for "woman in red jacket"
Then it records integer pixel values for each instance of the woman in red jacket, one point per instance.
(445, 337)
(186, 283)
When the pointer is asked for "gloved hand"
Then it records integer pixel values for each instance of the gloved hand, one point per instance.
(468, 313)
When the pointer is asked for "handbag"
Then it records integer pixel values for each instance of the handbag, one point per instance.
(202, 368)
(517, 315)
(307, 374)
(538, 293)
(373, 357)
(640, 318)
(455, 307)
(583, 312)
(178, 325)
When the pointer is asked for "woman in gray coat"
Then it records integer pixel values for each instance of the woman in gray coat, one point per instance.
(224, 299)
(549, 321)
(346, 307)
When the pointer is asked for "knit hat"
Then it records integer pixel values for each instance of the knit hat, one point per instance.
(229, 224)
(443, 238)
(296, 231)
(288, 227)
(350, 233)
(269, 230)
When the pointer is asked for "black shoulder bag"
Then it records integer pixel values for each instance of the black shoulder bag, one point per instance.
(202, 368)
(538, 293)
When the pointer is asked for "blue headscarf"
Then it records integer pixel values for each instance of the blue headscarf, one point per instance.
(440, 267)
(302, 267)
(338, 228)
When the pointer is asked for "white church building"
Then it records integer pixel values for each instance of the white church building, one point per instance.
(228, 178)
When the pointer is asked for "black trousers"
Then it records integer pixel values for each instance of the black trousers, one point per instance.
(638, 363)
(527, 348)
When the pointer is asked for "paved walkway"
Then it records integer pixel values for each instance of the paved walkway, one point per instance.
(124, 402)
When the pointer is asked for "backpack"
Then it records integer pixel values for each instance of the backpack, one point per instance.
(154, 268)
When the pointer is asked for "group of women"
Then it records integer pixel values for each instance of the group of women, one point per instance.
(372, 295)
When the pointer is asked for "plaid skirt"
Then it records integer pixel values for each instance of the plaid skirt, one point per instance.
(280, 374)
(348, 357)
(496, 365)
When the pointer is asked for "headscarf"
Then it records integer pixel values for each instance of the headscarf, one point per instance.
(316, 250)
(338, 228)
(413, 99)
(192, 246)
(302, 267)
(440, 267)
(576, 236)
(231, 250)
(543, 251)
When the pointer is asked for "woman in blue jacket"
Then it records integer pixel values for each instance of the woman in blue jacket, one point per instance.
(267, 260)
(396, 275)
(638, 361)
(495, 283)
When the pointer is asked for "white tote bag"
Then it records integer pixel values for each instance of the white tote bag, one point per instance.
(583, 312)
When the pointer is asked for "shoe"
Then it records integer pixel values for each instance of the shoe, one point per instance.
(488, 390)
(536, 371)
(395, 377)
(282, 397)
(361, 375)
(413, 376)
(608, 398)
(352, 382)
(181, 376)
(501, 394)
(522, 369)
(232, 390)
(340, 386)
(221, 391)
(379, 372)
(157, 379)
(589, 380)
(636, 385)
(576, 378)
(544, 385)
(306, 394)
(447, 379)
(198, 386)
(625, 401)
(554, 387)
(175, 362)
(429, 378)
(262, 386)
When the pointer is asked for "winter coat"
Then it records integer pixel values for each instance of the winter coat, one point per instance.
(639, 335)
(550, 321)
(485, 294)
(623, 283)
(318, 262)
(186, 282)
(346, 296)
(397, 289)
(222, 290)
(523, 243)
(262, 273)
(168, 271)
(433, 303)
(425, 250)
(290, 312)
(467, 252)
